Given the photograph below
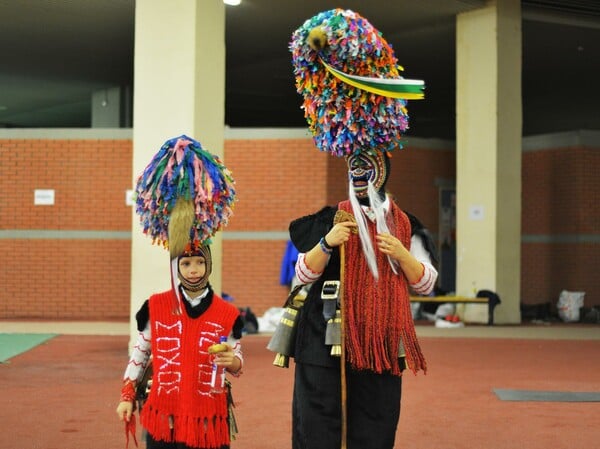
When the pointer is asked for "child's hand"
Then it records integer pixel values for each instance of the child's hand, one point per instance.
(227, 359)
(125, 410)
(218, 347)
(225, 356)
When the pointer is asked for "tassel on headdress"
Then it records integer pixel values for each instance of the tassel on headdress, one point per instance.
(180, 223)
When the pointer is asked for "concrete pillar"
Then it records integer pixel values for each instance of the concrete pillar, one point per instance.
(179, 88)
(488, 139)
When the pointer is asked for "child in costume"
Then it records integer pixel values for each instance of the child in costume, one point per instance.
(354, 102)
(183, 197)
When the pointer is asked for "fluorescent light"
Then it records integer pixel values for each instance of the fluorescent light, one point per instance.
(232, 2)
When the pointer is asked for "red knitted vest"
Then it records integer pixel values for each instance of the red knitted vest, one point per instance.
(378, 317)
(182, 374)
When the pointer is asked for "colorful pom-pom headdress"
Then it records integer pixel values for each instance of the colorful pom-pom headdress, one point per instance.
(183, 197)
(354, 96)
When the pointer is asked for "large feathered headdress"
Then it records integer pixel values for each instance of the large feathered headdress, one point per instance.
(354, 96)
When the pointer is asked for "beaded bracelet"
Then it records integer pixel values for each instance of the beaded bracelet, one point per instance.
(324, 246)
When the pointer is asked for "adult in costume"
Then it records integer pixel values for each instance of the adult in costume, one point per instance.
(184, 196)
(354, 102)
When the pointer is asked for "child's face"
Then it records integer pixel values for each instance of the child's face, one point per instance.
(192, 268)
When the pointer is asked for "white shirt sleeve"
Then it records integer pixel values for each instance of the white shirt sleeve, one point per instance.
(425, 285)
(139, 356)
(237, 351)
(304, 274)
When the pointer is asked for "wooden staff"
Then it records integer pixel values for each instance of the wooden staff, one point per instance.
(344, 400)
(341, 216)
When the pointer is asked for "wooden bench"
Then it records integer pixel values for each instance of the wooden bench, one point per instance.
(485, 297)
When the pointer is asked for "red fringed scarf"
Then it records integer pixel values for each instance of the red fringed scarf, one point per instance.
(378, 317)
(180, 396)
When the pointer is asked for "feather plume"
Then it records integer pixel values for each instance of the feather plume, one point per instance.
(180, 226)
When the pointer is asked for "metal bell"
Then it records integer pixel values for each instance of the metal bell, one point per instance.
(333, 334)
(282, 361)
(282, 341)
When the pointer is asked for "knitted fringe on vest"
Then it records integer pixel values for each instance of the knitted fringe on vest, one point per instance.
(205, 433)
(378, 315)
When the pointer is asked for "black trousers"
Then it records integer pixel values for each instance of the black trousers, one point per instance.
(373, 408)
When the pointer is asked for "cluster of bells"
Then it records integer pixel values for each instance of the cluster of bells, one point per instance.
(282, 341)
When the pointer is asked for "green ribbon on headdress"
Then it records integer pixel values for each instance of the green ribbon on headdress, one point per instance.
(387, 87)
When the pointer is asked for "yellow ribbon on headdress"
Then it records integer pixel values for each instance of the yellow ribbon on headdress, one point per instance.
(388, 87)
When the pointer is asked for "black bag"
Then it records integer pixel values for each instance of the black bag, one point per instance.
(249, 319)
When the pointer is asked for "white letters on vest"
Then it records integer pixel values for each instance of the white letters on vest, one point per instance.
(207, 338)
(167, 352)
(167, 356)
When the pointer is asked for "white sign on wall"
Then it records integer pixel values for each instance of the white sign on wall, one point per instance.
(129, 197)
(476, 212)
(43, 197)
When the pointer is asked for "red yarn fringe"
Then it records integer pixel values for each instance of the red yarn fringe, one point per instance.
(377, 313)
(202, 432)
(130, 428)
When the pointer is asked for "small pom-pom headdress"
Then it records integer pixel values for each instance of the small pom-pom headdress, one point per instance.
(354, 96)
(184, 194)
(183, 197)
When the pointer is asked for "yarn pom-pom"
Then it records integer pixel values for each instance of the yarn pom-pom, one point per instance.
(182, 169)
(344, 119)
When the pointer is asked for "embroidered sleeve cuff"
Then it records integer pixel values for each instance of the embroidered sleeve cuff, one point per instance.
(304, 274)
(425, 285)
(128, 391)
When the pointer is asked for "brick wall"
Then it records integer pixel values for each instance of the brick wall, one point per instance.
(271, 189)
(76, 272)
(276, 179)
(560, 223)
(89, 177)
(65, 279)
(77, 264)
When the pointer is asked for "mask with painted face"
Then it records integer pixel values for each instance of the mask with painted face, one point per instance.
(368, 168)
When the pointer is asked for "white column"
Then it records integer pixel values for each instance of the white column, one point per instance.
(488, 138)
(179, 88)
